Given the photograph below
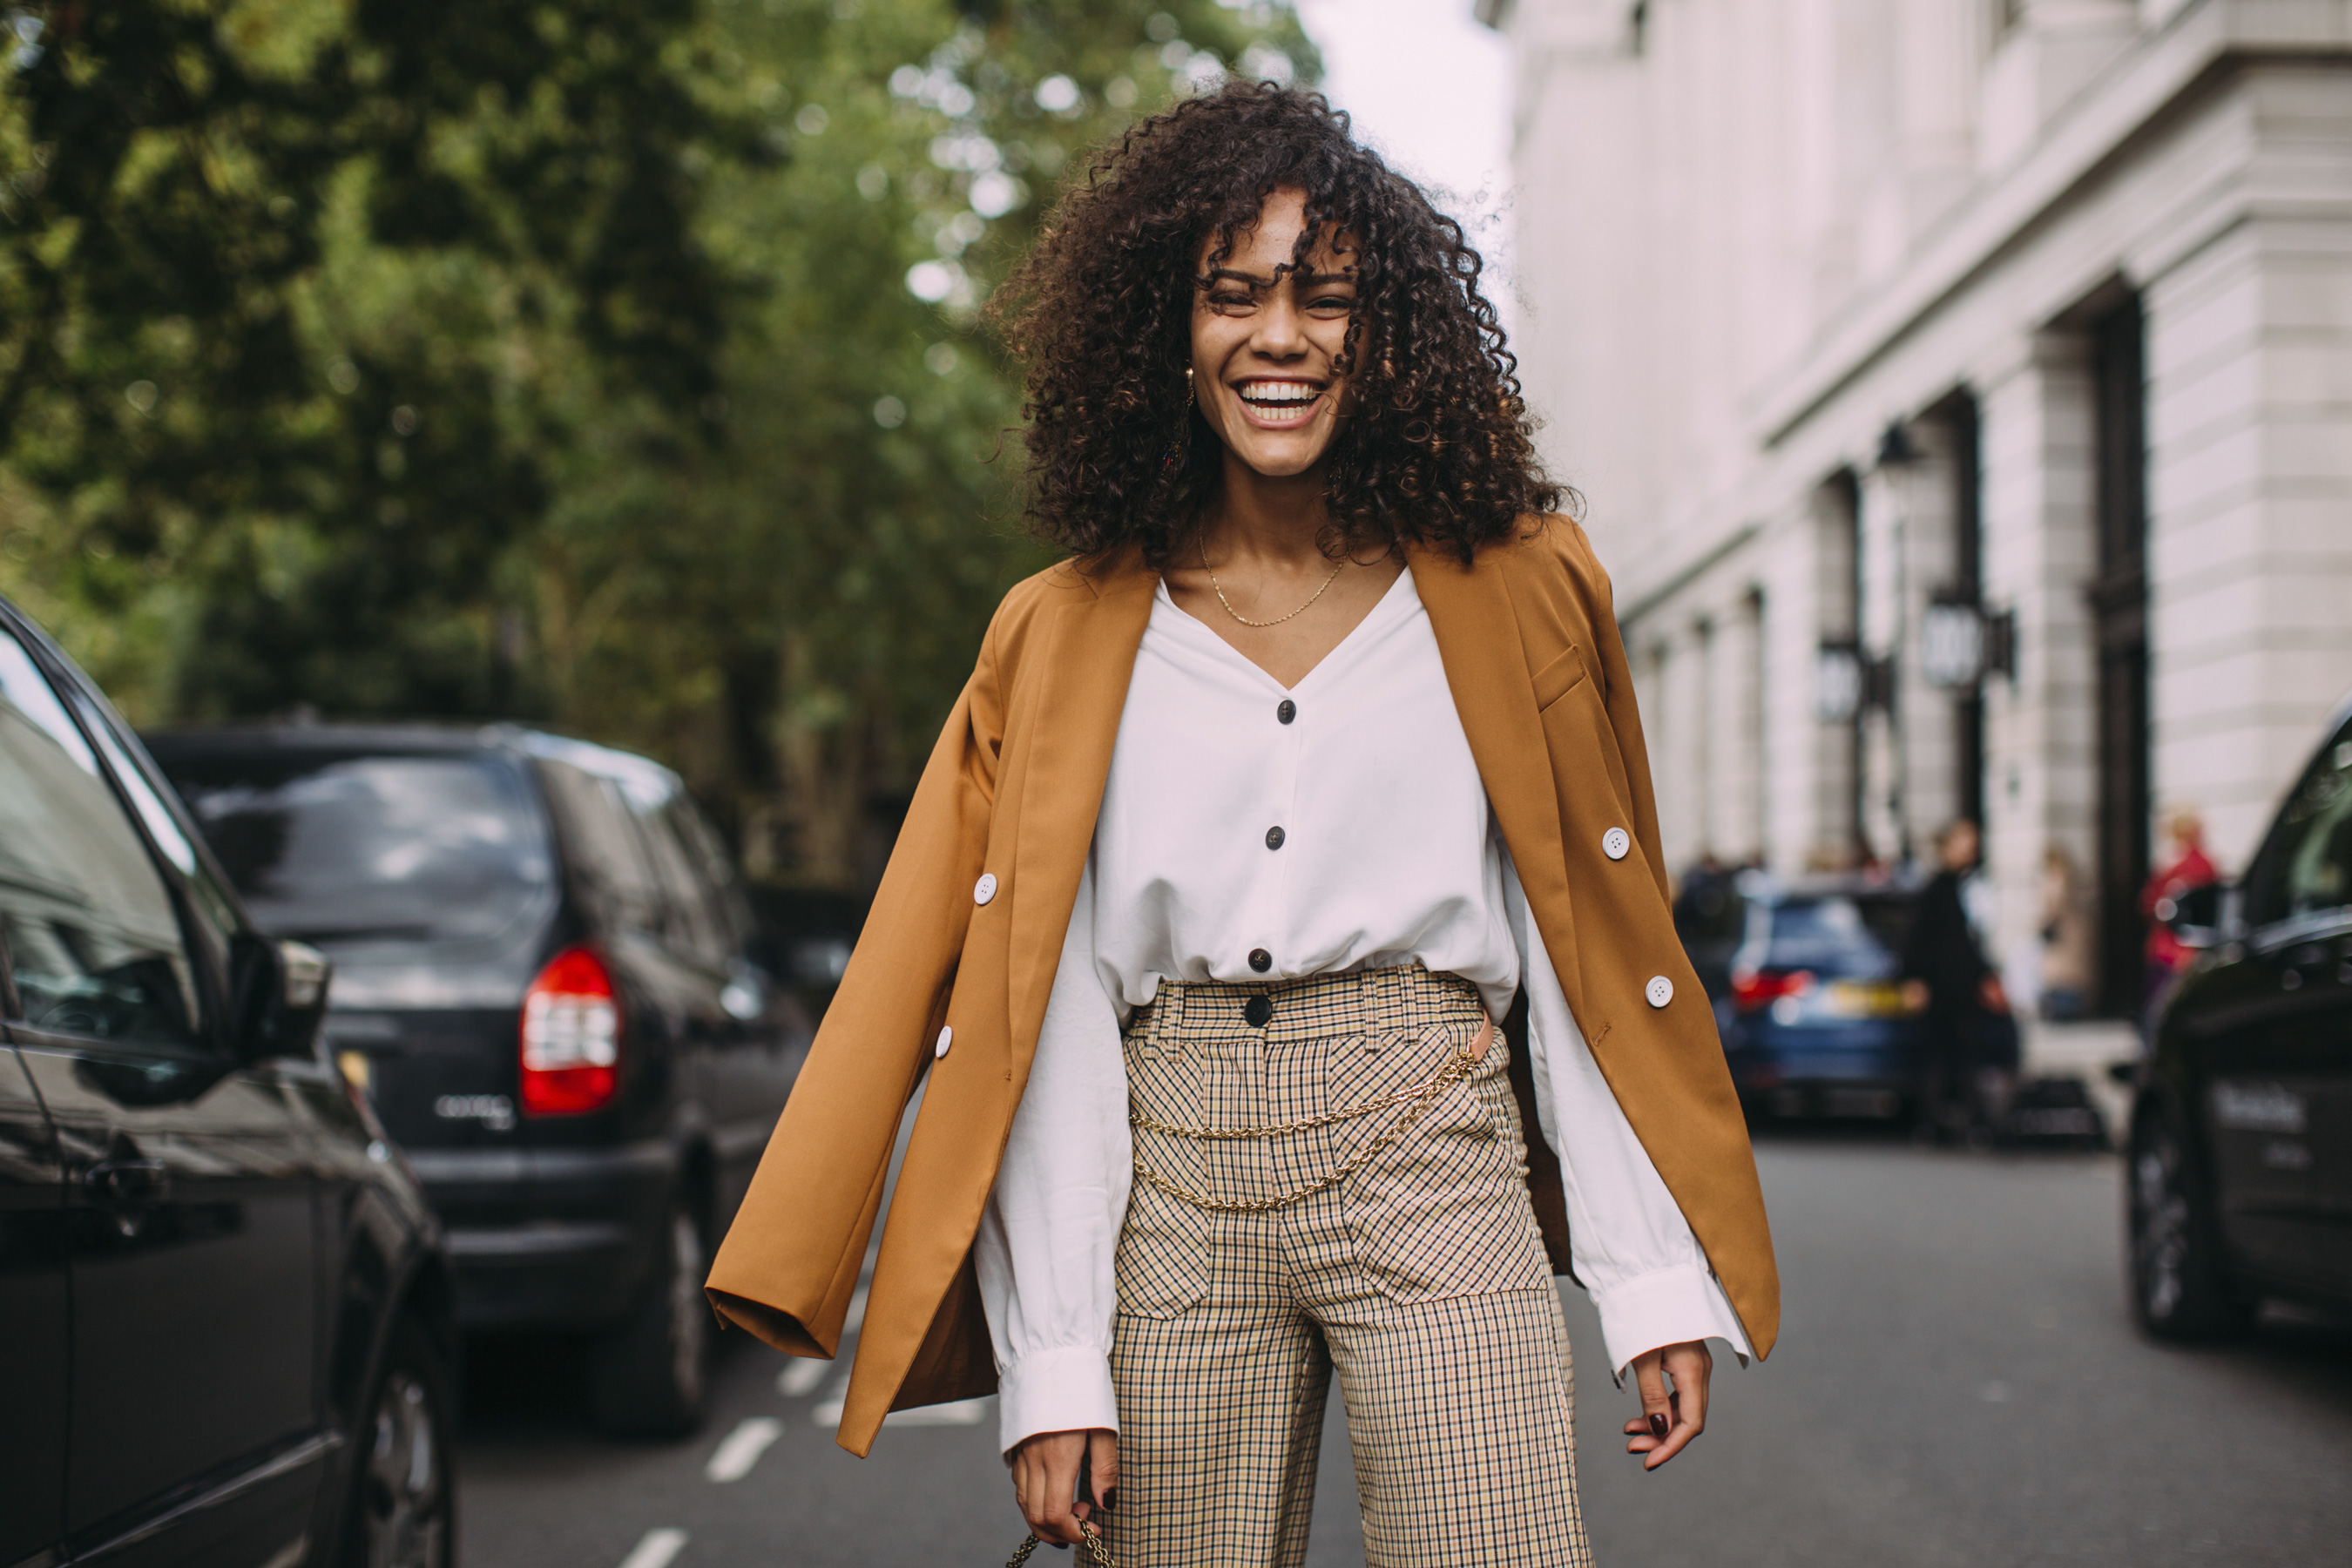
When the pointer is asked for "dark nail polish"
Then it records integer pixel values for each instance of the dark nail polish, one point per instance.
(1110, 1500)
(1658, 1424)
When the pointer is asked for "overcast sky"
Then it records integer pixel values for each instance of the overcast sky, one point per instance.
(1429, 87)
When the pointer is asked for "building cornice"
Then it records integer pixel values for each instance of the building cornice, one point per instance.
(1686, 574)
(2153, 73)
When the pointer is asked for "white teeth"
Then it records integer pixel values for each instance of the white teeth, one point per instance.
(1279, 395)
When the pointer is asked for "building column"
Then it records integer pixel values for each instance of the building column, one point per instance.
(1941, 47)
(1738, 723)
(1807, 581)
(1680, 758)
(2250, 508)
(2037, 431)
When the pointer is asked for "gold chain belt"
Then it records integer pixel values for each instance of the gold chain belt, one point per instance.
(1415, 1101)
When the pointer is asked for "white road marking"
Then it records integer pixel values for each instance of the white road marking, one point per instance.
(656, 1550)
(856, 1318)
(801, 1376)
(740, 1450)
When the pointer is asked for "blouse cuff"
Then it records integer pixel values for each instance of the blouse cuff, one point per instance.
(1668, 1305)
(1065, 1389)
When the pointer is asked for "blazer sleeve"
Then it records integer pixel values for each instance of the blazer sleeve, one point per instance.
(791, 1260)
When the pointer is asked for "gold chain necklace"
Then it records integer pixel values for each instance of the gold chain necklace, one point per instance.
(1216, 588)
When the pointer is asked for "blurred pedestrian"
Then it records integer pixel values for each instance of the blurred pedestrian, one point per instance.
(2186, 866)
(1275, 799)
(1968, 1039)
(2066, 936)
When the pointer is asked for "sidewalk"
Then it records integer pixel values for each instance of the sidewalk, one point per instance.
(2085, 1050)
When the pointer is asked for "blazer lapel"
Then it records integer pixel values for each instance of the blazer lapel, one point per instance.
(1073, 717)
(1478, 641)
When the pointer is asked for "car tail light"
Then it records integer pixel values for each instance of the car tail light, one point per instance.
(1752, 989)
(570, 1036)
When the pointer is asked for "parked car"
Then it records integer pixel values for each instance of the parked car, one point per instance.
(1815, 1021)
(544, 986)
(2241, 1145)
(227, 1309)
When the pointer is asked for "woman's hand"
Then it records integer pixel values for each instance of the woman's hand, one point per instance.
(1670, 1418)
(1045, 1480)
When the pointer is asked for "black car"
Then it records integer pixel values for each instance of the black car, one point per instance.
(224, 1313)
(2240, 1173)
(542, 981)
(1814, 1018)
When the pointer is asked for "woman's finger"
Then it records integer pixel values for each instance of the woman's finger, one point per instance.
(1102, 1451)
(1657, 1412)
(1689, 1365)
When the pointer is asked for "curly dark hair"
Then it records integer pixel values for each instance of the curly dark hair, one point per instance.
(1438, 447)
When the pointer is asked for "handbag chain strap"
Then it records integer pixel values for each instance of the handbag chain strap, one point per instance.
(1095, 1549)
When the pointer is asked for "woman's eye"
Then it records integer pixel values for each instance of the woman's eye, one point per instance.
(1339, 304)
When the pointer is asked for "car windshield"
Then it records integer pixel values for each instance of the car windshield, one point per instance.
(345, 851)
(1836, 934)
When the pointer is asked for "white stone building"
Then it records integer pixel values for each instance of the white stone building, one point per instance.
(1843, 312)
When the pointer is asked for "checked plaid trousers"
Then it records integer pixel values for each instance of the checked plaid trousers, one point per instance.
(1421, 1277)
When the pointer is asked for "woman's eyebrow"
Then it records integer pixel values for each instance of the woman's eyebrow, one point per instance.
(1309, 279)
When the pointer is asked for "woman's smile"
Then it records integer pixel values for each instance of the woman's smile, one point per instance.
(1273, 404)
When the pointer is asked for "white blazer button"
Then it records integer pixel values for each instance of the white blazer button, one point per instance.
(1660, 991)
(985, 888)
(946, 1039)
(1615, 843)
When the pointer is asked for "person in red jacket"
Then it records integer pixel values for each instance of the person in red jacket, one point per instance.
(2187, 867)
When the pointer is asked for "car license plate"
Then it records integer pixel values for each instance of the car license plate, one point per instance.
(1864, 999)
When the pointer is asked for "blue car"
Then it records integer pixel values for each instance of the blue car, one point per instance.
(1815, 1018)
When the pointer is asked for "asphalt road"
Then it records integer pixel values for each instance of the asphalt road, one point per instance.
(1957, 1382)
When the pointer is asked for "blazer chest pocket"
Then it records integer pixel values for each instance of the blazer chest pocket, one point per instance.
(1559, 675)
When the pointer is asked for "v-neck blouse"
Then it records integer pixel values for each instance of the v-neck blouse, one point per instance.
(1351, 835)
(1254, 833)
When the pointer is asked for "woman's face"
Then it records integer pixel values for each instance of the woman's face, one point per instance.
(1265, 340)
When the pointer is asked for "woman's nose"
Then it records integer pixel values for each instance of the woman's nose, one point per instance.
(1281, 333)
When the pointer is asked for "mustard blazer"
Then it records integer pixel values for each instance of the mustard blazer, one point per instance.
(1539, 675)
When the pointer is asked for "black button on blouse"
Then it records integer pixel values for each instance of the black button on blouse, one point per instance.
(1261, 959)
(1286, 710)
(1274, 837)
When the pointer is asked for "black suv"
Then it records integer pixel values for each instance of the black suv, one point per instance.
(2241, 1177)
(542, 982)
(225, 1324)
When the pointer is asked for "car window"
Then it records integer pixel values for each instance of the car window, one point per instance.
(349, 849)
(2305, 867)
(1834, 935)
(92, 933)
(215, 916)
(694, 929)
(708, 852)
(609, 848)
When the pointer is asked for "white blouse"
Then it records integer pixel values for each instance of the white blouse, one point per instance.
(1387, 854)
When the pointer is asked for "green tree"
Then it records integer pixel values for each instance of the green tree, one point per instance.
(614, 364)
(296, 297)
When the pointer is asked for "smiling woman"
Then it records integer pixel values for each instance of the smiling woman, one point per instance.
(1279, 922)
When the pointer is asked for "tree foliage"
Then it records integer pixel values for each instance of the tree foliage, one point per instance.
(610, 364)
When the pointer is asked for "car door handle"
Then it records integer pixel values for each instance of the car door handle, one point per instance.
(130, 1183)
